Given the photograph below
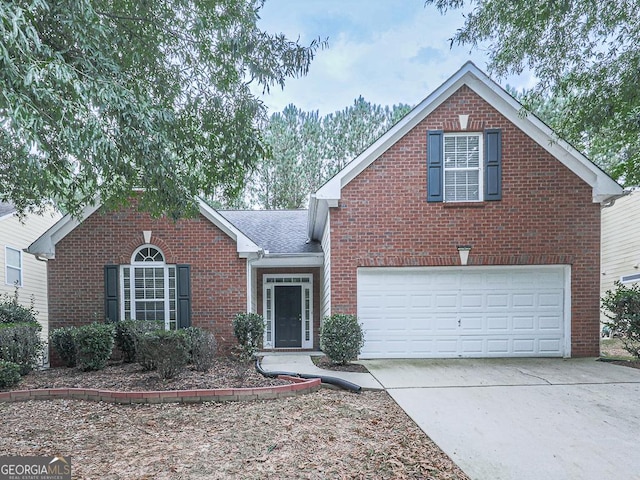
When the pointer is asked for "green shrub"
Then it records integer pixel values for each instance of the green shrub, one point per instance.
(622, 307)
(341, 338)
(20, 343)
(128, 333)
(202, 348)
(167, 351)
(61, 340)
(12, 312)
(9, 374)
(94, 344)
(248, 329)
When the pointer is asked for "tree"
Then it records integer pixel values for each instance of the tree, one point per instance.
(100, 97)
(305, 149)
(584, 53)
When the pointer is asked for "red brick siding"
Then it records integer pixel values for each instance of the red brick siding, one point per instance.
(218, 275)
(546, 216)
(316, 293)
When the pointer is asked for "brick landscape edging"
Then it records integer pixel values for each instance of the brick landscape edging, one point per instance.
(297, 386)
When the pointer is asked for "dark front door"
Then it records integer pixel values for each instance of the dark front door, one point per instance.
(288, 316)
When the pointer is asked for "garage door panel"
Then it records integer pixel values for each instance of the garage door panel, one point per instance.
(524, 323)
(426, 312)
(550, 300)
(497, 324)
(471, 301)
(469, 324)
(523, 300)
(446, 300)
(551, 345)
(550, 322)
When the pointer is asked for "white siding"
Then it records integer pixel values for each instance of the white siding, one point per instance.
(620, 246)
(325, 301)
(19, 235)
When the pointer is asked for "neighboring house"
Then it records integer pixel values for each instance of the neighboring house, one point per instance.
(620, 242)
(467, 230)
(19, 269)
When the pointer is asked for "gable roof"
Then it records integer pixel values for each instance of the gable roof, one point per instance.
(603, 186)
(6, 210)
(45, 245)
(275, 231)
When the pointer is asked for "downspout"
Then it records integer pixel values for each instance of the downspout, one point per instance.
(611, 201)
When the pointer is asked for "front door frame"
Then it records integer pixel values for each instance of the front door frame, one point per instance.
(269, 282)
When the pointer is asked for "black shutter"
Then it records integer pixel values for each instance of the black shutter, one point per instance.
(434, 166)
(111, 289)
(183, 288)
(493, 164)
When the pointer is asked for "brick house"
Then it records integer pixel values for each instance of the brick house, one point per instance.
(467, 230)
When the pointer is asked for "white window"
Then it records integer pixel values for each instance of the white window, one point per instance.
(149, 288)
(462, 167)
(13, 258)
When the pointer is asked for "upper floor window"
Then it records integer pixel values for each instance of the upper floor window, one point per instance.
(462, 167)
(13, 265)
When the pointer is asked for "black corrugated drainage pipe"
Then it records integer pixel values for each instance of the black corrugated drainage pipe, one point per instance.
(338, 382)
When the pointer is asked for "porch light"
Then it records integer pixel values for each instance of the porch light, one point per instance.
(464, 250)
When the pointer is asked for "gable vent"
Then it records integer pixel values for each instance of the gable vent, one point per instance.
(630, 278)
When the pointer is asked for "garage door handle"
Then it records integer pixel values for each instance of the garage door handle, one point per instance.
(459, 321)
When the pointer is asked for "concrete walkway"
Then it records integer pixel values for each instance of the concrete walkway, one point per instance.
(523, 419)
(301, 363)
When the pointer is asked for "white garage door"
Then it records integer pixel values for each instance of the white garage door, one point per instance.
(464, 312)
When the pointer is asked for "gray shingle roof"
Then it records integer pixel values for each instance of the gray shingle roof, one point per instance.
(278, 231)
(6, 208)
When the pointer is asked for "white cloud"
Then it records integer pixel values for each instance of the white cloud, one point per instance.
(391, 52)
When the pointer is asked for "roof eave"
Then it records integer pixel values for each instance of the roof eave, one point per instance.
(603, 186)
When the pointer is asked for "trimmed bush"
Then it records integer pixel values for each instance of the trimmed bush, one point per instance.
(61, 340)
(128, 333)
(12, 312)
(20, 343)
(202, 348)
(94, 344)
(622, 307)
(341, 338)
(248, 329)
(9, 374)
(167, 351)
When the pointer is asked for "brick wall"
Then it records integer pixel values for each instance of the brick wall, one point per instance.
(546, 216)
(218, 275)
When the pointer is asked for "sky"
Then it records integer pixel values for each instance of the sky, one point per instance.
(388, 51)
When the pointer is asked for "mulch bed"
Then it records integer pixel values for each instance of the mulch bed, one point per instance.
(624, 363)
(324, 435)
(225, 373)
(323, 361)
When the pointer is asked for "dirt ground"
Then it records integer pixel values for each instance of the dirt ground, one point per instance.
(611, 350)
(325, 434)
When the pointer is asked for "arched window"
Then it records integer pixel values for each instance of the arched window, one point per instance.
(149, 288)
(147, 254)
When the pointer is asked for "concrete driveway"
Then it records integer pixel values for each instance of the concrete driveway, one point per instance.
(525, 418)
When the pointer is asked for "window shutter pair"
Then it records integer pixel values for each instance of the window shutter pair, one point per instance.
(492, 165)
(183, 294)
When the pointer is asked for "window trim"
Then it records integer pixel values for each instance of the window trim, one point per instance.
(269, 282)
(20, 268)
(481, 166)
(166, 286)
